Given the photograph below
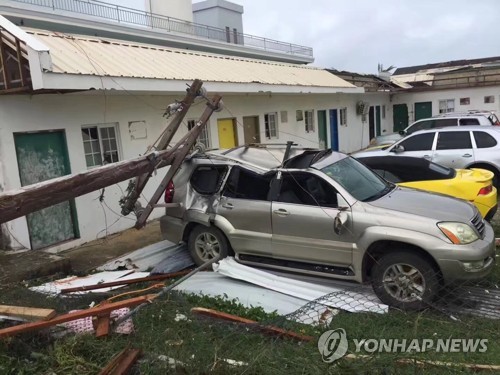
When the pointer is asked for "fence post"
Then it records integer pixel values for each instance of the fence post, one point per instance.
(118, 13)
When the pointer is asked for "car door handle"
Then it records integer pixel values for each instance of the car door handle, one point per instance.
(466, 155)
(281, 212)
(229, 206)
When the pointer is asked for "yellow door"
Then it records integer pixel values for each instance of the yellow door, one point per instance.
(227, 136)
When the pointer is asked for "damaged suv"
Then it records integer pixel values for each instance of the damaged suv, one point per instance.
(324, 213)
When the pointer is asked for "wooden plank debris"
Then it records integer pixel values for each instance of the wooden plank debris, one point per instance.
(28, 313)
(122, 362)
(125, 282)
(271, 330)
(94, 311)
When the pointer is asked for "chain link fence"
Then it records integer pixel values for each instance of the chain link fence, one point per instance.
(455, 331)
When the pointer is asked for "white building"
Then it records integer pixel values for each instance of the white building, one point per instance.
(453, 86)
(71, 102)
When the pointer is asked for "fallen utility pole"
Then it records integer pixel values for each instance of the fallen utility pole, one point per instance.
(180, 109)
(187, 142)
(18, 203)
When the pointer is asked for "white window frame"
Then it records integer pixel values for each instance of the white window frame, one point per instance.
(270, 119)
(446, 105)
(343, 116)
(204, 136)
(309, 120)
(101, 140)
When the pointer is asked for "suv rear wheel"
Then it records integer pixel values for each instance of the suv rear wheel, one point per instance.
(205, 243)
(405, 281)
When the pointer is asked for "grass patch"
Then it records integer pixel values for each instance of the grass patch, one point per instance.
(203, 345)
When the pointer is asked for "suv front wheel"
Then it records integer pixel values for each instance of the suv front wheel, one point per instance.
(405, 281)
(205, 243)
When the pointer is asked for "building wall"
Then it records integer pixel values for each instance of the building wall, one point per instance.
(181, 9)
(71, 111)
(476, 98)
(219, 14)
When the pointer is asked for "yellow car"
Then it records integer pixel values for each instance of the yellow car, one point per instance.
(474, 185)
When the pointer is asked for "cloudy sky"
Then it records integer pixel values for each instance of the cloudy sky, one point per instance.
(356, 35)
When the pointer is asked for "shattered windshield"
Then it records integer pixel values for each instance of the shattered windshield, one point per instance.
(360, 181)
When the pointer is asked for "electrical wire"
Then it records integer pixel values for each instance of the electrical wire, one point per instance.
(6, 226)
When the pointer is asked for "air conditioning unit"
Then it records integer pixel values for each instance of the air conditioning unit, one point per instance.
(362, 108)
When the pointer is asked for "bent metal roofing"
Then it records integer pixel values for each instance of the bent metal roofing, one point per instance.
(81, 55)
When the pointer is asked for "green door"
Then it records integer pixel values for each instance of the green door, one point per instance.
(400, 116)
(42, 156)
(322, 130)
(423, 110)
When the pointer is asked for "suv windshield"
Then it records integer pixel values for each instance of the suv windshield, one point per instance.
(360, 181)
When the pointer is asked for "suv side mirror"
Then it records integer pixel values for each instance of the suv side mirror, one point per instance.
(402, 132)
(341, 202)
(398, 149)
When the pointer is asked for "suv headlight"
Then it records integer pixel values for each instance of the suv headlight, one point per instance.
(458, 233)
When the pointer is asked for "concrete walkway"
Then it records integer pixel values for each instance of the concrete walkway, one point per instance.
(31, 264)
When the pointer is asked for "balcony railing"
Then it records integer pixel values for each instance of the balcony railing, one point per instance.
(129, 16)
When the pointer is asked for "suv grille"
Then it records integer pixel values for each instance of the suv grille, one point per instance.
(478, 223)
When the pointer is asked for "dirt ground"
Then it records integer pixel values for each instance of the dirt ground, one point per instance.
(18, 266)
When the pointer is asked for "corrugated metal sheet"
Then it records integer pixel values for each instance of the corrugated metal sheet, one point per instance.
(98, 56)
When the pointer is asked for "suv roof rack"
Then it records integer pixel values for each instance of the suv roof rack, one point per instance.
(470, 112)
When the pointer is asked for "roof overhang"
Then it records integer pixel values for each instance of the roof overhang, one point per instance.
(62, 62)
(63, 82)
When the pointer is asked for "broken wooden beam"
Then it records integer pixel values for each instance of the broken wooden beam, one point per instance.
(122, 362)
(271, 330)
(94, 311)
(427, 363)
(28, 313)
(125, 282)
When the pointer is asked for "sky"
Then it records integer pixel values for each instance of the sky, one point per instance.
(357, 35)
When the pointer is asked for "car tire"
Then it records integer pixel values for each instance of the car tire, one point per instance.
(205, 243)
(405, 280)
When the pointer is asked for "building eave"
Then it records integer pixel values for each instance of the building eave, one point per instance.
(74, 82)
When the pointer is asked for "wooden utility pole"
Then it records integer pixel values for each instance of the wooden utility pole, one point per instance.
(135, 189)
(182, 151)
(18, 203)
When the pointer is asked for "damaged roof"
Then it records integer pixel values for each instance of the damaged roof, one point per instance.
(445, 65)
(88, 56)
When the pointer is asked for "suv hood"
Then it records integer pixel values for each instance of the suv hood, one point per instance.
(431, 205)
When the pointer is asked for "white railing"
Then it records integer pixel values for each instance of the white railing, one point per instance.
(121, 14)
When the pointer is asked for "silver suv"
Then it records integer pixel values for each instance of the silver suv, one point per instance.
(325, 213)
(464, 147)
(440, 121)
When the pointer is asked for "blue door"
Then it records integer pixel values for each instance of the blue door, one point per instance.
(334, 130)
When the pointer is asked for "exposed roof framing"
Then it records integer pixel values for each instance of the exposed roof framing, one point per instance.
(14, 66)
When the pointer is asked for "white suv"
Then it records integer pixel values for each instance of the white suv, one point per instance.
(441, 121)
(464, 147)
